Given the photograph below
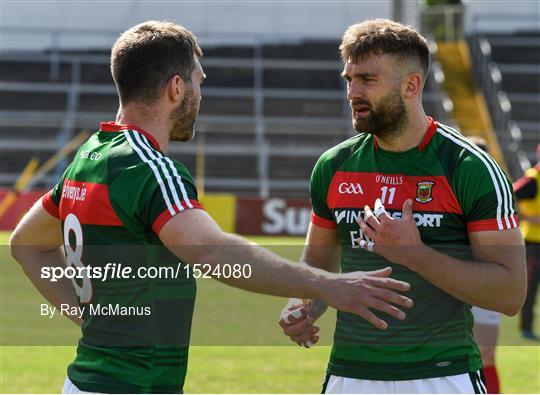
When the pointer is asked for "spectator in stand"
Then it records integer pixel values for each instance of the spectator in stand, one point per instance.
(527, 190)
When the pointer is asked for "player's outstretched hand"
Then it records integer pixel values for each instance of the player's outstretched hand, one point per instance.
(361, 292)
(298, 323)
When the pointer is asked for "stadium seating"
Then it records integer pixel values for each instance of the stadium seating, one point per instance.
(299, 111)
(518, 58)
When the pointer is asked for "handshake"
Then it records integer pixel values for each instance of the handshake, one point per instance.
(377, 292)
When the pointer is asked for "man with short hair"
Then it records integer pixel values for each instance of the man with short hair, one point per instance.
(123, 201)
(414, 194)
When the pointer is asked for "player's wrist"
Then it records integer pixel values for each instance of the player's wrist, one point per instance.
(415, 256)
(319, 285)
(331, 285)
(317, 308)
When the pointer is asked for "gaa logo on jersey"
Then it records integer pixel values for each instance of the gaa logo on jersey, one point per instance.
(350, 188)
(423, 191)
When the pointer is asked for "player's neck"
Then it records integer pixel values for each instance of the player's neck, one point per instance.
(417, 125)
(147, 119)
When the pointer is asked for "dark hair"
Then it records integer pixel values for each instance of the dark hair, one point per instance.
(147, 56)
(383, 36)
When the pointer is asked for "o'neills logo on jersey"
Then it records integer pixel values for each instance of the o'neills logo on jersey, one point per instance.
(390, 180)
(423, 191)
(350, 188)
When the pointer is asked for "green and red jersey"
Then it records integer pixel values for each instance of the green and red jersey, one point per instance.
(456, 189)
(113, 200)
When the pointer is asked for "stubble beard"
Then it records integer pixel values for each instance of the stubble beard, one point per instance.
(184, 117)
(386, 120)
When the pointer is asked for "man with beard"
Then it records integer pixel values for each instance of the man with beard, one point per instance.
(414, 194)
(122, 201)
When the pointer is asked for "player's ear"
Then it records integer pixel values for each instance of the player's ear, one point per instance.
(176, 88)
(412, 85)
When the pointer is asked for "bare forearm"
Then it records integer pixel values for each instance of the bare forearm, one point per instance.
(272, 274)
(325, 258)
(32, 259)
(485, 284)
(269, 273)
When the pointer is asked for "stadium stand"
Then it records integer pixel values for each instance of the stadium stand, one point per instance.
(268, 111)
(508, 68)
(518, 58)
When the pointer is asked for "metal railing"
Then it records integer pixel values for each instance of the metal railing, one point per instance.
(489, 76)
(257, 122)
(505, 20)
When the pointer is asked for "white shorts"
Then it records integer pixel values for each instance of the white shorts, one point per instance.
(486, 317)
(467, 383)
(70, 388)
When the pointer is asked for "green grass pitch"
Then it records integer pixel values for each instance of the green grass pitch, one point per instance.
(237, 345)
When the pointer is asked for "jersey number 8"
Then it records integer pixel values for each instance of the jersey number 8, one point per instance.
(73, 256)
